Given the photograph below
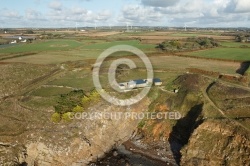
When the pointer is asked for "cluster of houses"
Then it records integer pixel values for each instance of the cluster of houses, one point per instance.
(22, 39)
(141, 83)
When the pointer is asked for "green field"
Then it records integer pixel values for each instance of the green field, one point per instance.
(58, 51)
(77, 83)
(65, 45)
(240, 54)
(234, 44)
(3, 41)
(184, 34)
(37, 102)
(106, 45)
(50, 91)
(51, 45)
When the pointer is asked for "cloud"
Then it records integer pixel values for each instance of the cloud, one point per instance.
(10, 14)
(135, 12)
(32, 14)
(37, 1)
(202, 13)
(238, 6)
(139, 14)
(80, 15)
(11, 18)
(104, 15)
(55, 5)
(78, 10)
(184, 7)
(159, 3)
(242, 6)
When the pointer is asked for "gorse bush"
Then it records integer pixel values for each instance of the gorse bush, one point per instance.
(94, 96)
(67, 102)
(85, 101)
(56, 117)
(67, 116)
(78, 109)
(73, 102)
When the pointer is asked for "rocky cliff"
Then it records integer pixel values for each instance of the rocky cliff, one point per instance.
(208, 133)
(31, 138)
(217, 142)
(211, 131)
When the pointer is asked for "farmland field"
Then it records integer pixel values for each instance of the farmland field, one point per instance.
(77, 55)
(239, 54)
(49, 76)
(51, 45)
(46, 58)
(125, 83)
(57, 51)
(234, 44)
(75, 83)
(106, 45)
(50, 91)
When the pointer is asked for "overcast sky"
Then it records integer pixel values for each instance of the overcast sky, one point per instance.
(65, 13)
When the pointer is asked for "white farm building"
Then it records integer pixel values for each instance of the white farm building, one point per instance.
(140, 83)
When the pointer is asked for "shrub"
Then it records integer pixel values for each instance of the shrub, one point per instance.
(75, 101)
(94, 96)
(30, 32)
(141, 124)
(56, 117)
(67, 102)
(67, 116)
(78, 109)
(85, 100)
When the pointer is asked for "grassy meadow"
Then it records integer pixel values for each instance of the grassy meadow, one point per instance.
(77, 55)
(63, 50)
(239, 54)
(50, 45)
(234, 44)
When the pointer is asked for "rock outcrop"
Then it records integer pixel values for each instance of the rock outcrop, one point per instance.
(76, 143)
(217, 142)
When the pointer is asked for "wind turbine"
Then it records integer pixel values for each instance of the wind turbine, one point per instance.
(76, 25)
(95, 25)
(127, 26)
(185, 26)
